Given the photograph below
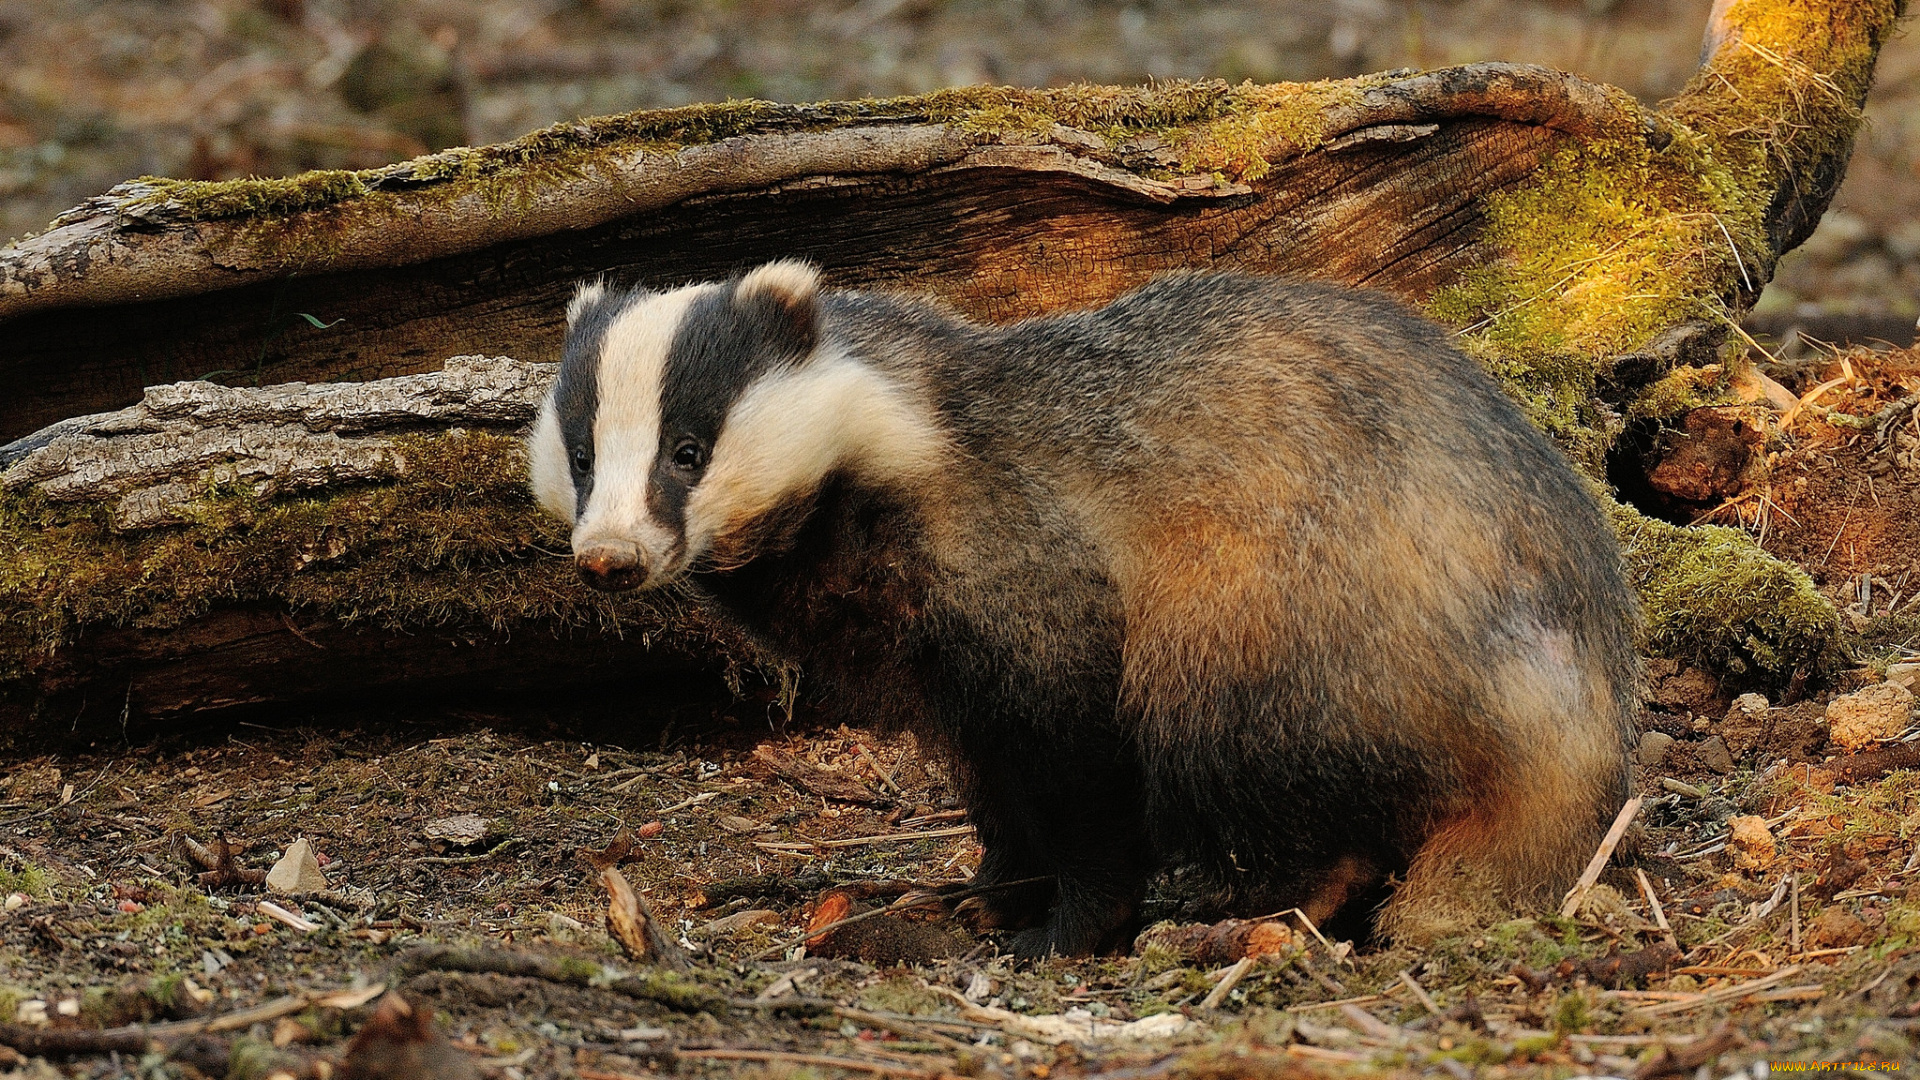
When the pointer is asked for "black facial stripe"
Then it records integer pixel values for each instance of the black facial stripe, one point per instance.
(576, 397)
(722, 345)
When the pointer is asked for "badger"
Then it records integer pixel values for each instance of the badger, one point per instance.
(1256, 580)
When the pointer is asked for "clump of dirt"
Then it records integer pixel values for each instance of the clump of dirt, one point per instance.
(1841, 492)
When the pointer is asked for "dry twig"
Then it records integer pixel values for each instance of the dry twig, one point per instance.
(1591, 874)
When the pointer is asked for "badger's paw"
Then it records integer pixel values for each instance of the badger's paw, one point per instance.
(1014, 907)
(1089, 927)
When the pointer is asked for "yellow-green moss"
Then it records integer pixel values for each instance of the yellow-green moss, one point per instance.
(1681, 391)
(457, 541)
(1710, 595)
(1612, 241)
(1788, 93)
(24, 877)
(1264, 121)
(213, 199)
(1607, 244)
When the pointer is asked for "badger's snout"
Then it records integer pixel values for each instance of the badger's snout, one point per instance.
(612, 565)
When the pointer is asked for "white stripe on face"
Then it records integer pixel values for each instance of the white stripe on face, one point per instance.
(547, 463)
(793, 427)
(626, 428)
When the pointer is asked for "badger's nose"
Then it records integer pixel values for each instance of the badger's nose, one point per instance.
(613, 565)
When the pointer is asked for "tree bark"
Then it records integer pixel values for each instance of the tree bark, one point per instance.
(205, 545)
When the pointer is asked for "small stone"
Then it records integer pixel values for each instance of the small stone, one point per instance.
(1713, 754)
(461, 830)
(1653, 748)
(297, 871)
(1905, 676)
(1751, 842)
(1856, 721)
(566, 929)
(33, 1013)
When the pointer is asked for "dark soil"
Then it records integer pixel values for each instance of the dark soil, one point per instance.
(109, 913)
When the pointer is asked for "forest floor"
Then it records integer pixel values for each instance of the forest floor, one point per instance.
(1780, 846)
(1783, 849)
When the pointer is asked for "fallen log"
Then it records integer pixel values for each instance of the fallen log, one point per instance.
(219, 546)
(203, 548)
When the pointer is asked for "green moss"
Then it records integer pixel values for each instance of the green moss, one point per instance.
(27, 879)
(904, 994)
(205, 200)
(1680, 391)
(457, 541)
(1788, 93)
(1612, 241)
(1607, 244)
(579, 968)
(1710, 595)
(674, 991)
(1264, 122)
(1556, 391)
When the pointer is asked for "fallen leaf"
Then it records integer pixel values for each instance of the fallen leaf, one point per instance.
(1222, 942)
(739, 919)
(615, 852)
(400, 1042)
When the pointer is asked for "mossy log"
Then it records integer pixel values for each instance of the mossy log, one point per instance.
(1591, 251)
(215, 546)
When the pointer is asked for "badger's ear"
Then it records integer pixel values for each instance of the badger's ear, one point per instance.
(588, 294)
(788, 291)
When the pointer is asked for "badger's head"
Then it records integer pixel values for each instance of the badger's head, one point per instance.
(683, 422)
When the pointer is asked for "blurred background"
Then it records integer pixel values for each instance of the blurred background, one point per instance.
(92, 92)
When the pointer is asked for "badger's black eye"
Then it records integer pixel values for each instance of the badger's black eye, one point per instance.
(582, 461)
(689, 455)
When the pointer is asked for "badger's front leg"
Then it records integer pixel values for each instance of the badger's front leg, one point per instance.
(1067, 811)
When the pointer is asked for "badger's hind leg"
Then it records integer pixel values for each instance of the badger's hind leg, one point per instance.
(1517, 839)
